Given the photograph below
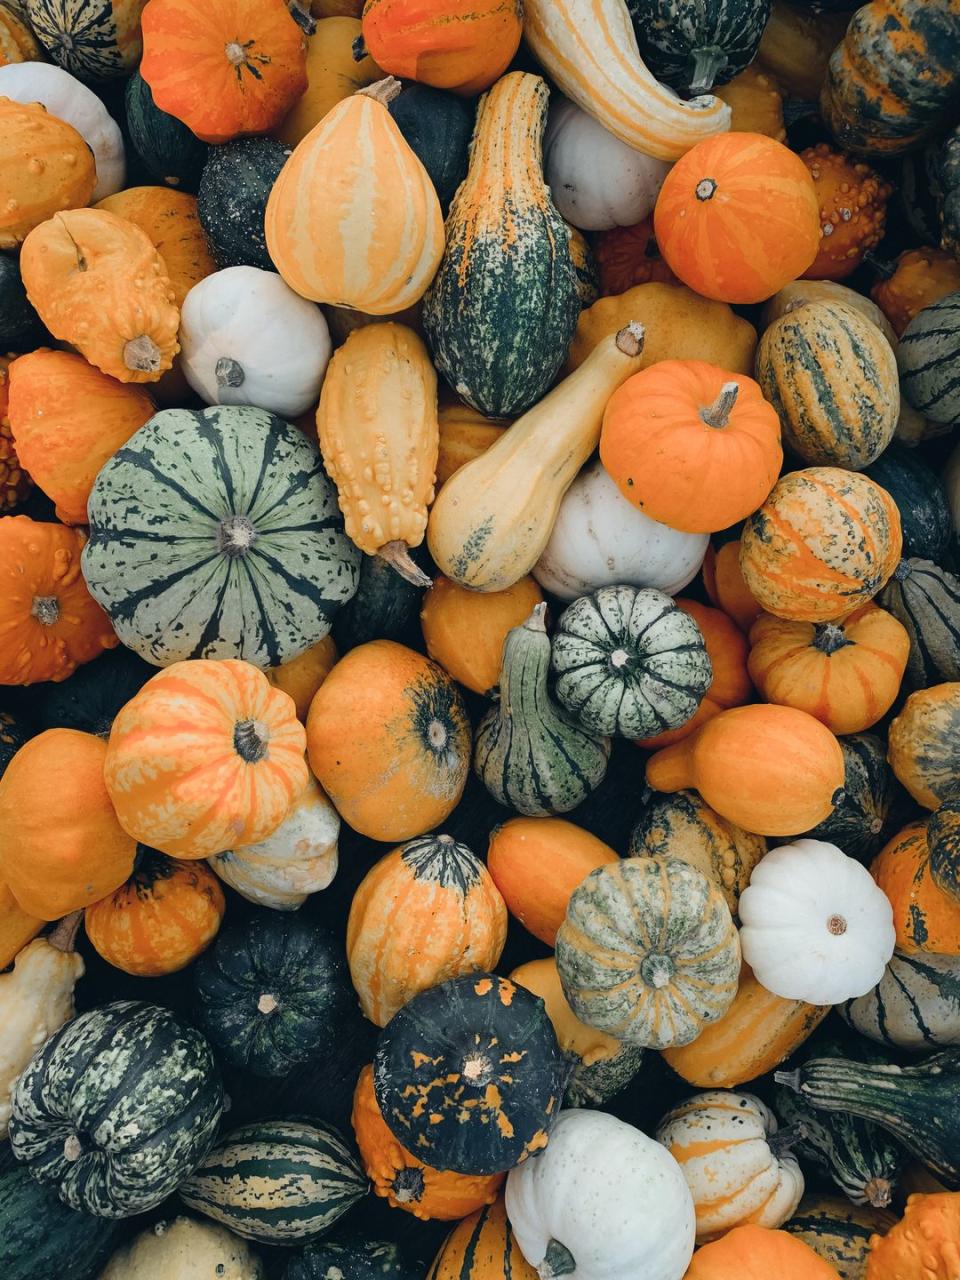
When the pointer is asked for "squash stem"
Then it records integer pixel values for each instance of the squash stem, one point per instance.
(46, 610)
(828, 638)
(879, 1192)
(630, 338)
(538, 618)
(383, 91)
(707, 65)
(718, 414)
(557, 1261)
(791, 1079)
(64, 936)
(397, 556)
(229, 372)
(250, 740)
(142, 355)
(302, 17)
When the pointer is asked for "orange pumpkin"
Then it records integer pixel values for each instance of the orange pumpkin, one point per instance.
(170, 222)
(17, 41)
(925, 918)
(302, 676)
(67, 419)
(737, 217)
(225, 67)
(918, 279)
(853, 211)
(208, 756)
(49, 622)
(482, 1246)
(758, 1253)
(691, 445)
(15, 483)
(17, 927)
(45, 166)
(464, 434)
(333, 73)
(160, 920)
(628, 256)
(724, 584)
(464, 630)
(923, 744)
(61, 846)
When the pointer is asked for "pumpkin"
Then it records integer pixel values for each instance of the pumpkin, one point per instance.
(859, 821)
(725, 586)
(170, 221)
(923, 744)
(482, 1245)
(839, 1232)
(800, 292)
(915, 1005)
(925, 598)
(755, 100)
(206, 756)
(41, 1233)
(693, 446)
(98, 283)
(921, 499)
(796, 47)
(17, 927)
(927, 357)
(736, 1169)
(68, 419)
(925, 918)
(97, 42)
(353, 218)
(406, 1182)
(47, 167)
(232, 198)
(628, 256)
(443, 45)
(464, 630)
(752, 1252)
(168, 150)
(948, 170)
(917, 279)
(933, 1220)
(728, 236)
(18, 44)
(852, 200)
(384, 608)
(437, 127)
(691, 48)
(469, 1075)
(179, 1250)
(333, 73)
(302, 676)
(438, 884)
(389, 740)
(249, 560)
(731, 761)
(794, 571)
(942, 838)
(362, 1259)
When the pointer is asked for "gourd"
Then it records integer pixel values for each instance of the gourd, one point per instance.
(20, 322)
(839, 1232)
(724, 584)
(170, 221)
(100, 45)
(464, 630)
(693, 446)
(942, 838)
(733, 1160)
(469, 1075)
(17, 928)
(170, 152)
(755, 100)
(457, 924)
(796, 47)
(925, 917)
(628, 256)
(690, 48)
(927, 357)
(40, 1233)
(47, 167)
(531, 754)
(15, 484)
(921, 499)
(503, 305)
(860, 817)
(914, 1006)
(333, 73)
(228, 723)
(384, 607)
(93, 695)
(918, 278)
(923, 743)
(273, 565)
(629, 662)
(800, 292)
(949, 210)
(302, 676)
(183, 1249)
(925, 599)
(731, 761)
(754, 1253)
(235, 184)
(648, 952)
(437, 127)
(61, 847)
(98, 283)
(589, 50)
(353, 218)
(570, 1208)
(479, 1247)
(852, 199)
(935, 1219)
(17, 42)
(362, 1259)
(726, 235)
(164, 1092)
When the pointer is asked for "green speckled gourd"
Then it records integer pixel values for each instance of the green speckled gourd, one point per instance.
(943, 841)
(236, 182)
(860, 821)
(948, 173)
(353, 1259)
(929, 360)
(648, 952)
(926, 599)
(839, 1232)
(529, 753)
(629, 662)
(18, 320)
(914, 1006)
(921, 500)
(503, 306)
(92, 39)
(40, 1237)
(385, 606)
(692, 46)
(168, 150)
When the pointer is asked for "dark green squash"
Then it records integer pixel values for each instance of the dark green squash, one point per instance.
(352, 1260)
(40, 1237)
(93, 695)
(929, 360)
(861, 821)
(437, 127)
(166, 147)
(385, 606)
(12, 738)
(949, 182)
(88, 39)
(839, 1232)
(914, 1006)
(926, 599)
(943, 841)
(19, 323)
(921, 500)
(693, 46)
(469, 1075)
(916, 194)
(236, 182)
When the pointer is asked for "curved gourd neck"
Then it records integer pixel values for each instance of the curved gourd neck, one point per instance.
(523, 675)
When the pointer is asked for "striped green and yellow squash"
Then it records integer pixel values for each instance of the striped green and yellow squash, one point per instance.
(860, 821)
(482, 1247)
(277, 1182)
(926, 599)
(915, 1005)
(92, 39)
(839, 1231)
(929, 360)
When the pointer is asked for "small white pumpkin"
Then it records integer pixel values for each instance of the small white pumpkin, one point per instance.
(601, 540)
(597, 181)
(814, 925)
(247, 338)
(601, 1202)
(65, 97)
(184, 1250)
(726, 1146)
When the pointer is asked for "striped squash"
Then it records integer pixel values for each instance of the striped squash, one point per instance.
(921, 500)
(482, 1247)
(859, 821)
(93, 39)
(926, 919)
(923, 744)
(276, 1182)
(831, 375)
(929, 360)
(926, 599)
(915, 1005)
(692, 46)
(839, 1231)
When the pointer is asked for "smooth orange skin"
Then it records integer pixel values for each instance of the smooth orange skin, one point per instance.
(464, 630)
(757, 1253)
(925, 918)
(464, 435)
(302, 676)
(15, 483)
(725, 585)
(17, 928)
(921, 278)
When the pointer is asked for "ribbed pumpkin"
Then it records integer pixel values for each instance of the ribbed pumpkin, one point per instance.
(923, 744)
(464, 630)
(803, 563)
(918, 278)
(98, 41)
(921, 498)
(927, 357)
(628, 256)
(464, 434)
(482, 1247)
(333, 73)
(752, 1252)
(925, 918)
(926, 600)
(725, 586)
(46, 167)
(914, 1006)
(852, 201)
(353, 218)
(169, 220)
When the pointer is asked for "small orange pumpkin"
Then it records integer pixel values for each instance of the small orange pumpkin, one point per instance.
(925, 918)
(45, 166)
(464, 630)
(918, 278)
(853, 211)
(628, 256)
(170, 222)
(750, 1252)
(15, 483)
(725, 585)
(302, 676)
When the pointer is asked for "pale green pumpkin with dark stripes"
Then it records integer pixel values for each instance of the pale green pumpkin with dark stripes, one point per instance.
(929, 359)
(926, 599)
(914, 1006)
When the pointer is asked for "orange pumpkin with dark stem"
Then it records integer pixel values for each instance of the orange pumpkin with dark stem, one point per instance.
(170, 222)
(691, 445)
(464, 630)
(925, 918)
(853, 211)
(918, 278)
(628, 256)
(725, 585)
(737, 217)
(15, 483)
(17, 927)
(302, 676)
(758, 1253)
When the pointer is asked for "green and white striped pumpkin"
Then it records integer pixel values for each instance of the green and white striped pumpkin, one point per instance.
(93, 39)
(692, 46)
(860, 820)
(277, 1182)
(926, 599)
(929, 360)
(216, 534)
(915, 1005)
(629, 662)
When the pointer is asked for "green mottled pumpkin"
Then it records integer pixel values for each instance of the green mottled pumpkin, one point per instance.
(354, 1259)
(860, 821)
(914, 1006)
(236, 182)
(921, 500)
(168, 150)
(839, 1232)
(40, 1237)
(92, 39)
(93, 695)
(629, 662)
(926, 599)
(692, 46)
(948, 172)
(503, 306)
(929, 360)
(436, 125)
(648, 952)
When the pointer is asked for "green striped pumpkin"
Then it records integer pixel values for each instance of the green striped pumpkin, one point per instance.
(277, 1181)
(165, 146)
(216, 534)
(914, 1006)
(92, 39)
(921, 500)
(831, 375)
(839, 1232)
(860, 821)
(926, 599)
(692, 46)
(929, 360)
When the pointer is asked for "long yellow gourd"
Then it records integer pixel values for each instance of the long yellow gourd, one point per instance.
(493, 517)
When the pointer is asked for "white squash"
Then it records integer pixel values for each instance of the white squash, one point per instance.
(65, 97)
(601, 1202)
(184, 1249)
(601, 540)
(36, 999)
(814, 925)
(726, 1147)
(597, 181)
(297, 859)
(247, 338)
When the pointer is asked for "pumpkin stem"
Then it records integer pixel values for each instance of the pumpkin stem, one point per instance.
(72, 1148)
(879, 1192)
(142, 355)
(64, 936)
(836, 925)
(235, 54)
(477, 1070)
(267, 1004)
(383, 91)
(45, 609)
(408, 1185)
(303, 18)
(397, 556)
(789, 1078)
(828, 638)
(538, 619)
(718, 414)
(707, 65)
(250, 739)
(557, 1261)
(229, 372)
(359, 49)
(236, 535)
(630, 338)
(903, 571)
(705, 189)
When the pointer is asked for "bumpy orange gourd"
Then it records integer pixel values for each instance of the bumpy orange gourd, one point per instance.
(169, 220)
(628, 256)
(737, 217)
(61, 846)
(691, 445)
(45, 166)
(17, 927)
(725, 585)
(758, 1253)
(15, 483)
(464, 434)
(464, 630)
(49, 622)
(160, 920)
(923, 1245)
(226, 67)
(67, 419)
(17, 41)
(208, 756)
(98, 283)
(923, 744)
(919, 278)
(925, 918)
(852, 200)
(302, 676)
(756, 103)
(333, 73)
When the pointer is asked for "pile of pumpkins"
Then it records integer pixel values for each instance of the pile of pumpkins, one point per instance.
(479, 640)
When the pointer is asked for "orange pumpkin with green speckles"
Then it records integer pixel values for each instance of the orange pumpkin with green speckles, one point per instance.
(925, 918)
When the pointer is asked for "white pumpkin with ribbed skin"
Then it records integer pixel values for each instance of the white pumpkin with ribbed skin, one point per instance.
(184, 1249)
(814, 924)
(725, 1145)
(601, 1202)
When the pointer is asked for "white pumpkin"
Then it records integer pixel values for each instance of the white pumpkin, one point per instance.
(297, 859)
(247, 338)
(724, 1143)
(184, 1249)
(601, 540)
(601, 1202)
(597, 181)
(65, 97)
(814, 925)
